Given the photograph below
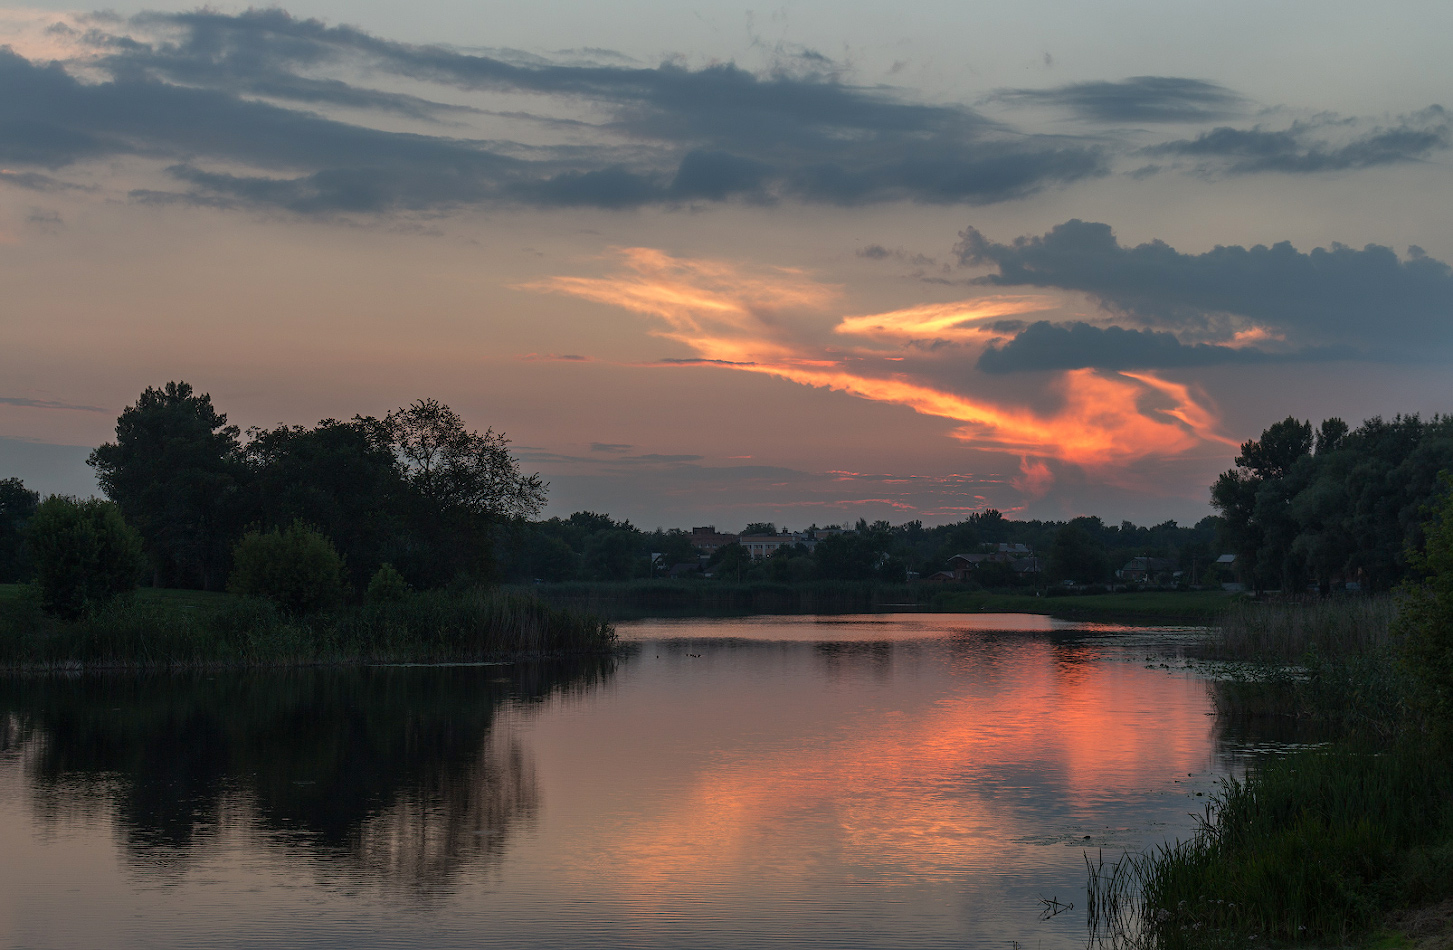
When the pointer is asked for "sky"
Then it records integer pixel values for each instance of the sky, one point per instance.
(714, 264)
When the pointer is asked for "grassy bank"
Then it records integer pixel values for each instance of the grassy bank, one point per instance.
(1170, 607)
(183, 628)
(1319, 847)
(628, 600)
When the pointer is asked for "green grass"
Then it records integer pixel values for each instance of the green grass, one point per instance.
(1314, 848)
(184, 628)
(1197, 606)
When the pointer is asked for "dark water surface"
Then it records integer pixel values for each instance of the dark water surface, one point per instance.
(871, 781)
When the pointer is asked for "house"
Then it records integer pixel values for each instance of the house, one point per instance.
(765, 545)
(1147, 569)
(707, 539)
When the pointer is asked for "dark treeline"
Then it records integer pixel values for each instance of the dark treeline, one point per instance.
(1333, 505)
(596, 547)
(414, 489)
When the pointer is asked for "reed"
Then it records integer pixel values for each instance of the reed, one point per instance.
(424, 627)
(1313, 848)
(1290, 630)
(633, 599)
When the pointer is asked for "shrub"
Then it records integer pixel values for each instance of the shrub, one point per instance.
(296, 568)
(1426, 618)
(387, 587)
(84, 553)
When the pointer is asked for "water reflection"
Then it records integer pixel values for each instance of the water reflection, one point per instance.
(398, 773)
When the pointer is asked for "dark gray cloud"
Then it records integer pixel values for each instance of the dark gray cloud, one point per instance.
(1058, 346)
(222, 99)
(28, 403)
(1306, 148)
(1337, 296)
(1137, 99)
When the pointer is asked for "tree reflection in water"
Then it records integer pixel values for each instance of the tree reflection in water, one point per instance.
(395, 774)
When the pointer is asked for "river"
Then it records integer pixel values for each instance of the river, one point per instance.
(849, 782)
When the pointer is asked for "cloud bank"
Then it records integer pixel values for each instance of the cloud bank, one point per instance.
(248, 110)
(1368, 302)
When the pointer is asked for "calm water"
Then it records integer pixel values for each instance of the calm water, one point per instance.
(875, 781)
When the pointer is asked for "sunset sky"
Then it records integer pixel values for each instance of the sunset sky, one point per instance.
(708, 264)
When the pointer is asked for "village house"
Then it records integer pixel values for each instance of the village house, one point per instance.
(707, 539)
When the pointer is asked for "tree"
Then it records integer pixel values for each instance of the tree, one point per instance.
(17, 506)
(1425, 619)
(175, 470)
(1074, 557)
(760, 527)
(85, 554)
(462, 485)
(341, 477)
(295, 567)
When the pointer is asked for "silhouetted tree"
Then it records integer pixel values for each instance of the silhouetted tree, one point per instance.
(17, 505)
(176, 469)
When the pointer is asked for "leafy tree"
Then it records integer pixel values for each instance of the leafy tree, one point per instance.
(175, 469)
(463, 484)
(339, 476)
(387, 586)
(760, 527)
(1074, 556)
(85, 554)
(614, 555)
(1425, 618)
(17, 506)
(295, 567)
(730, 562)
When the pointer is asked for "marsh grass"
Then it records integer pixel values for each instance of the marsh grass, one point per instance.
(622, 600)
(1289, 631)
(1313, 849)
(425, 627)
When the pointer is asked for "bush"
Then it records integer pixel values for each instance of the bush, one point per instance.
(387, 587)
(1426, 617)
(296, 568)
(85, 554)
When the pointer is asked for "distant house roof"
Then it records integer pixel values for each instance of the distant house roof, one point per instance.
(1226, 559)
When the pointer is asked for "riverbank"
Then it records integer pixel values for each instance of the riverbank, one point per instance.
(158, 629)
(1348, 842)
(637, 600)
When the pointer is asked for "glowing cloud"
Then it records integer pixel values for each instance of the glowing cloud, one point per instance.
(945, 321)
(741, 319)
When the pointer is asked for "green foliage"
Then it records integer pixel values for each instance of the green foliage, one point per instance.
(296, 568)
(1075, 557)
(1426, 618)
(429, 626)
(1312, 848)
(176, 470)
(341, 477)
(387, 586)
(84, 553)
(1348, 512)
(17, 505)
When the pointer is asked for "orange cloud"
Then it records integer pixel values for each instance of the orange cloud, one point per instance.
(744, 320)
(945, 321)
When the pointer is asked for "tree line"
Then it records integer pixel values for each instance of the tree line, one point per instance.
(439, 504)
(595, 547)
(415, 489)
(1332, 505)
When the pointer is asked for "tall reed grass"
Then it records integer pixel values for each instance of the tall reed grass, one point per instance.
(1313, 849)
(424, 627)
(1290, 630)
(632, 599)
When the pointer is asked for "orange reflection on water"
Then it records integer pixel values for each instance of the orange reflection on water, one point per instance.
(949, 789)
